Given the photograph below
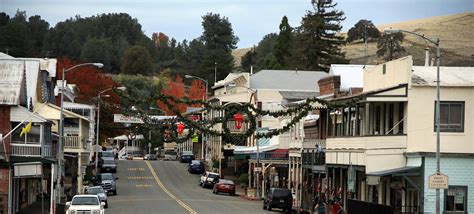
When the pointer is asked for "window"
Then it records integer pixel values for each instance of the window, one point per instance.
(455, 199)
(451, 116)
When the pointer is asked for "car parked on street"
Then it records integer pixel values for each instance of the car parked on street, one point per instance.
(208, 179)
(186, 156)
(278, 198)
(196, 166)
(225, 186)
(85, 204)
(99, 191)
(150, 157)
(170, 155)
(108, 182)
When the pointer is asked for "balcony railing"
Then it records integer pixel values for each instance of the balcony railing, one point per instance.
(311, 143)
(232, 127)
(74, 142)
(30, 150)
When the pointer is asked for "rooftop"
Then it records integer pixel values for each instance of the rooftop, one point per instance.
(449, 76)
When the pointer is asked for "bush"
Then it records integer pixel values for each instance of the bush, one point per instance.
(244, 178)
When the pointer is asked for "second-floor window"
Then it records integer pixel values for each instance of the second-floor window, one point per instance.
(451, 116)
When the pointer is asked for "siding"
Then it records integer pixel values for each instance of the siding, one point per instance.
(460, 172)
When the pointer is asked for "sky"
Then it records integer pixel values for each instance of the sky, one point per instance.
(250, 19)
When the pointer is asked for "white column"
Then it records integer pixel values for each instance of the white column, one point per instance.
(380, 191)
(387, 192)
(363, 191)
(79, 175)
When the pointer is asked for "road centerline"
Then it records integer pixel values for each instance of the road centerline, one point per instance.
(158, 181)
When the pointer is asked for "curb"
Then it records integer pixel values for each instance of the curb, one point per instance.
(248, 198)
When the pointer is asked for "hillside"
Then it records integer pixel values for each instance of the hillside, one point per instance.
(456, 33)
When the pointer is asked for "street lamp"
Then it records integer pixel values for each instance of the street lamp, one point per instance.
(437, 44)
(98, 121)
(59, 154)
(205, 99)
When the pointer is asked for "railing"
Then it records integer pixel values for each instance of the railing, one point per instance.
(74, 142)
(232, 127)
(271, 156)
(311, 143)
(71, 130)
(31, 150)
(47, 151)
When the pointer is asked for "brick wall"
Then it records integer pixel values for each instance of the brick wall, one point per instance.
(460, 172)
(4, 171)
(329, 85)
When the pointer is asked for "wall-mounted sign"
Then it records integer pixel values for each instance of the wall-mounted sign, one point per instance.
(438, 181)
(32, 169)
(120, 118)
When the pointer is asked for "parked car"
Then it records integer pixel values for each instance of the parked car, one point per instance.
(107, 161)
(150, 157)
(225, 186)
(170, 155)
(85, 204)
(108, 182)
(186, 156)
(196, 166)
(208, 179)
(99, 191)
(278, 198)
(129, 157)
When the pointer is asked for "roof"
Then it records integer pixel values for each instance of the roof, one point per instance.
(351, 75)
(52, 112)
(19, 113)
(287, 80)
(298, 95)
(11, 80)
(449, 76)
(71, 105)
(232, 77)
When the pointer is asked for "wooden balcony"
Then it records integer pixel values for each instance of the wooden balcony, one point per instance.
(75, 144)
(30, 150)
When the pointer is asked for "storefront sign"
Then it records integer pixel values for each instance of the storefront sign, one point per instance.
(257, 169)
(373, 180)
(438, 181)
(34, 169)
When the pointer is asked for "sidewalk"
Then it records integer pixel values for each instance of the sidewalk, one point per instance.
(35, 208)
(238, 189)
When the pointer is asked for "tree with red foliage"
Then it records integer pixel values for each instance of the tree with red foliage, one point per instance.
(197, 91)
(91, 82)
(175, 89)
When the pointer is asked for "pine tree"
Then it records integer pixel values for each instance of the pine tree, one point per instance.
(282, 50)
(319, 46)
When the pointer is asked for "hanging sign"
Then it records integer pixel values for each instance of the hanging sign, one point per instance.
(438, 181)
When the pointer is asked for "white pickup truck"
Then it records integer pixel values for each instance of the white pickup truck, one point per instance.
(208, 179)
(85, 204)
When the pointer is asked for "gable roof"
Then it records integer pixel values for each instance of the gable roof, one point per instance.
(449, 76)
(11, 81)
(287, 80)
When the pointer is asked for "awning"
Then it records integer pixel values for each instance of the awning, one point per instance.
(253, 149)
(394, 171)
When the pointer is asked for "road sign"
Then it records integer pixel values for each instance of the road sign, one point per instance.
(438, 181)
(257, 169)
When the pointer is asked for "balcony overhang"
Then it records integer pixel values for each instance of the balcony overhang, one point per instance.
(398, 93)
(396, 171)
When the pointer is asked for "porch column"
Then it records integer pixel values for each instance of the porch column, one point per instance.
(363, 191)
(79, 175)
(290, 173)
(367, 119)
(380, 191)
(387, 192)
(250, 174)
(357, 121)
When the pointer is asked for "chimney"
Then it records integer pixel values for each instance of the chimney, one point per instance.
(427, 57)
(329, 85)
(251, 69)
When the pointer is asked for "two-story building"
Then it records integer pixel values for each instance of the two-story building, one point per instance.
(381, 143)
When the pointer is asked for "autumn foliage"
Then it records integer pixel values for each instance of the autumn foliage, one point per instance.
(176, 89)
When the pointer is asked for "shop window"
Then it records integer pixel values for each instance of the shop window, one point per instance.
(455, 199)
(451, 116)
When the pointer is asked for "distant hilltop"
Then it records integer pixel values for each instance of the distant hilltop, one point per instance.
(456, 33)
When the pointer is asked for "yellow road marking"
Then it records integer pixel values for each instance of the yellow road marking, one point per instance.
(158, 181)
(139, 177)
(143, 185)
(136, 169)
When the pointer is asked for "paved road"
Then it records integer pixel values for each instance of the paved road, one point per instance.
(167, 187)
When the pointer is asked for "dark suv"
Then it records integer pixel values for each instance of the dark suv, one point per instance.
(278, 198)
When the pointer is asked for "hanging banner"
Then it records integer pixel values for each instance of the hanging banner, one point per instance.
(351, 179)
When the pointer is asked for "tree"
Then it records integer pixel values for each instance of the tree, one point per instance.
(282, 50)
(248, 60)
(98, 50)
(319, 45)
(389, 46)
(175, 89)
(137, 60)
(197, 91)
(38, 30)
(219, 41)
(363, 30)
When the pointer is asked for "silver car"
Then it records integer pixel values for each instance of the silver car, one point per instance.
(170, 155)
(99, 191)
